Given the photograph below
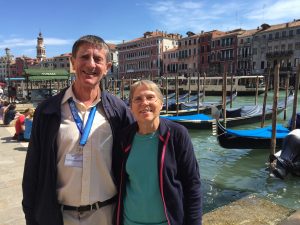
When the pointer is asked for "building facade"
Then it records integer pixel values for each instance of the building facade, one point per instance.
(244, 52)
(142, 57)
(277, 43)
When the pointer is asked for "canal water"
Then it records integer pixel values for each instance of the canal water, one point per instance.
(230, 174)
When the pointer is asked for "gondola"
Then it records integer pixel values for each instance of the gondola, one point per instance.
(259, 138)
(246, 115)
(204, 107)
(253, 113)
(196, 121)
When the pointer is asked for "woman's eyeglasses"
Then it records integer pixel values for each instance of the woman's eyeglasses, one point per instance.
(140, 99)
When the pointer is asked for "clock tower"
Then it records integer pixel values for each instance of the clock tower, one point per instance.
(40, 48)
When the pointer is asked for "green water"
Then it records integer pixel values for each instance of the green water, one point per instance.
(229, 174)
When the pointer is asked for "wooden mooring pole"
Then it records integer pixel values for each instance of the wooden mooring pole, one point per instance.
(275, 103)
(167, 93)
(122, 89)
(203, 86)
(267, 81)
(256, 89)
(287, 85)
(177, 94)
(231, 89)
(224, 88)
(295, 99)
(198, 93)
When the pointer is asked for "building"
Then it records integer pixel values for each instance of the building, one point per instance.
(40, 48)
(113, 72)
(188, 55)
(6, 65)
(244, 52)
(277, 43)
(170, 62)
(142, 57)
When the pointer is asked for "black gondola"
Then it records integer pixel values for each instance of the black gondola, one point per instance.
(259, 138)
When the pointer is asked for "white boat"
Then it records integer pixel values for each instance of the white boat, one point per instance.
(244, 85)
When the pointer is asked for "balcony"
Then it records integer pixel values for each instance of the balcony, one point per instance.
(279, 54)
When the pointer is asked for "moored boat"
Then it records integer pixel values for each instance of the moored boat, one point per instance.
(259, 138)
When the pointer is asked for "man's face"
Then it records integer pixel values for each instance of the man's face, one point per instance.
(90, 65)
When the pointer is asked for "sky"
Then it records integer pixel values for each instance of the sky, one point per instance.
(63, 21)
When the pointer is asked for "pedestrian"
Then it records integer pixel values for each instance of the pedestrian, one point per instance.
(3, 109)
(1, 92)
(68, 176)
(28, 125)
(20, 125)
(9, 114)
(160, 180)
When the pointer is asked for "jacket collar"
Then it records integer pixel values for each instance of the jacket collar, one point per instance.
(53, 105)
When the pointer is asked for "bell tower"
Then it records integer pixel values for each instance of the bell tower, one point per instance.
(40, 48)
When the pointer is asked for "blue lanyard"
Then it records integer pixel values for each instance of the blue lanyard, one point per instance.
(79, 123)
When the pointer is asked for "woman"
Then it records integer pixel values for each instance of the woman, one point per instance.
(160, 181)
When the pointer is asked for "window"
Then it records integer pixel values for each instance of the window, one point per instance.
(262, 65)
(290, 46)
(283, 47)
(270, 36)
(283, 34)
(298, 31)
(270, 49)
(291, 33)
(254, 51)
(276, 35)
(297, 46)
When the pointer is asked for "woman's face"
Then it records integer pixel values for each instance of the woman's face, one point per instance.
(146, 106)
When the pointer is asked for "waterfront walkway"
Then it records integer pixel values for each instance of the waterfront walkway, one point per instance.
(250, 210)
(12, 156)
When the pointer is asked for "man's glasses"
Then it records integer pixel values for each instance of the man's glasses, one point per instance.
(148, 98)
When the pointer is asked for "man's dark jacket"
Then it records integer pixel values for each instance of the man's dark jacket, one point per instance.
(40, 203)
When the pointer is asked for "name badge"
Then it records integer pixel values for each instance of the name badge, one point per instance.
(74, 160)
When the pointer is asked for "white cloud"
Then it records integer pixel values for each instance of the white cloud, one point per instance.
(57, 41)
(276, 10)
(21, 42)
(181, 16)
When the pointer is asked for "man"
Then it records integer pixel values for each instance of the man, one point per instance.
(1, 92)
(67, 175)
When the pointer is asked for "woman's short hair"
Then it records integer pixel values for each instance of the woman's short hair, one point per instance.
(150, 85)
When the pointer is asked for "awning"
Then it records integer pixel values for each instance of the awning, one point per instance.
(42, 74)
(42, 78)
(14, 78)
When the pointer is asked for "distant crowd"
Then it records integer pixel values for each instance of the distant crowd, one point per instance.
(21, 121)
